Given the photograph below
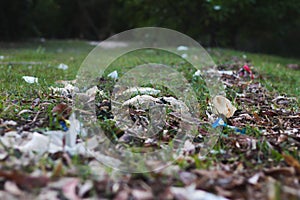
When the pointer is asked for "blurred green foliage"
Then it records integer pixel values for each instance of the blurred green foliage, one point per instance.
(270, 26)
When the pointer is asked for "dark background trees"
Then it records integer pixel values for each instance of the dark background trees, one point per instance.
(269, 26)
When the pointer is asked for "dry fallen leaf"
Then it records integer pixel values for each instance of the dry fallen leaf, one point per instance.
(62, 109)
(23, 180)
(290, 160)
(58, 169)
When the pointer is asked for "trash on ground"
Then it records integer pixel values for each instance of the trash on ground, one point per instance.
(141, 101)
(30, 79)
(197, 73)
(63, 66)
(9, 123)
(217, 7)
(223, 106)
(182, 48)
(245, 71)
(141, 90)
(220, 122)
(228, 72)
(93, 43)
(184, 55)
(191, 193)
(176, 104)
(57, 141)
(64, 124)
(92, 92)
(68, 90)
(113, 75)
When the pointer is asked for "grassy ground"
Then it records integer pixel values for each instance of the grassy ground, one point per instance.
(41, 60)
(51, 53)
(273, 70)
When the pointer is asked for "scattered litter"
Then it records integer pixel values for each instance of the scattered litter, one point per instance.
(75, 129)
(64, 124)
(141, 100)
(40, 144)
(93, 43)
(193, 194)
(217, 7)
(111, 44)
(141, 90)
(53, 141)
(9, 123)
(72, 82)
(220, 122)
(30, 79)
(254, 179)
(244, 56)
(108, 44)
(184, 55)
(240, 95)
(1, 57)
(68, 90)
(223, 106)
(63, 66)
(245, 71)
(92, 92)
(188, 147)
(113, 75)
(291, 131)
(182, 48)
(177, 105)
(197, 73)
(226, 72)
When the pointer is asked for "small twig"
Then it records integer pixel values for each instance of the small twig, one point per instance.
(35, 117)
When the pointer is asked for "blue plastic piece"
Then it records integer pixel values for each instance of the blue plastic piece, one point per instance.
(63, 125)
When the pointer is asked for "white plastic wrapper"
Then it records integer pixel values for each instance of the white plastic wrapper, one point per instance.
(30, 79)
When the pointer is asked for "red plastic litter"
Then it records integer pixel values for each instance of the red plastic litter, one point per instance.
(246, 71)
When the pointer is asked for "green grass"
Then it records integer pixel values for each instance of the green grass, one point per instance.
(17, 57)
(49, 54)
